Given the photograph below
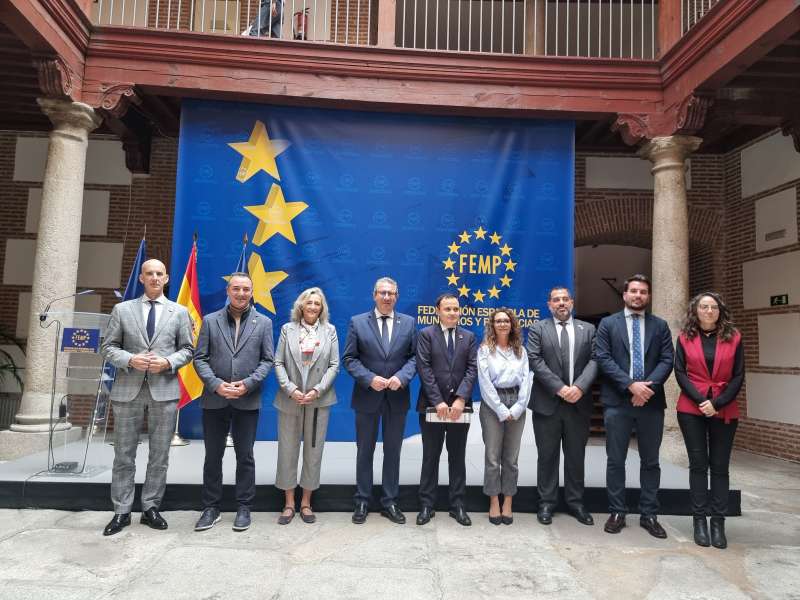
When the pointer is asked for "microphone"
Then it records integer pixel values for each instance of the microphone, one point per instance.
(43, 314)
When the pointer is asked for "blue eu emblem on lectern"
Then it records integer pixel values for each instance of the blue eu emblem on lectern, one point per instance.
(80, 340)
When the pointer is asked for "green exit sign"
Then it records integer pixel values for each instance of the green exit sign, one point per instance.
(780, 300)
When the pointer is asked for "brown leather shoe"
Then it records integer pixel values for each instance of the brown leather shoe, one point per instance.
(615, 523)
(652, 526)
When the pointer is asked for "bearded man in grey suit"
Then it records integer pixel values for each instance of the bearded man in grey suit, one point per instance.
(148, 339)
(560, 355)
(233, 357)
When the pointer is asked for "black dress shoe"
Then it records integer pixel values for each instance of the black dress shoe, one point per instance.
(425, 514)
(115, 525)
(360, 513)
(581, 515)
(653, 527)
(394, 514)
(496, 520)
(460, 515)
(718, 539)
(545, 514)
(701, 532)
(507, 520)
(615, 523)
(153, 519)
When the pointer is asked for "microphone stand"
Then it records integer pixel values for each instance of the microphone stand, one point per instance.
(51, 466)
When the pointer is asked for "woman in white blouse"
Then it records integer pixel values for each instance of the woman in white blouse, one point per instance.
(505, 381)
(306, 364)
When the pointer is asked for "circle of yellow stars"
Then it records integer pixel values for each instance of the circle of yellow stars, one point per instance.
(464, 239)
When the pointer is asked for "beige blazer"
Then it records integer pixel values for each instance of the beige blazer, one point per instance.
(322, 372)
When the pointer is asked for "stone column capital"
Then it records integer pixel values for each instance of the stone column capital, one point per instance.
(669, 151)
(66, 115)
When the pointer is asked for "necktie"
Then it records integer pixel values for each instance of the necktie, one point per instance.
(636, 351)
(385, 332)
(151, 320)
(450, 344)
(564, 339)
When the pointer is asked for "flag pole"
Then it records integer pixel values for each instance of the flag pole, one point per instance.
(177, 440)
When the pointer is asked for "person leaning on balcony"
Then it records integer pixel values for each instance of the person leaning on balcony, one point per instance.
(306, 364)
(268, 20)
(505, 383)
(709, 368)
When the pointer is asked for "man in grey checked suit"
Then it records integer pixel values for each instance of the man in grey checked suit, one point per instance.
(560, 354)
(148, 339)
(233, 357)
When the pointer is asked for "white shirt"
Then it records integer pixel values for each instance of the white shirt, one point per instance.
(629, 325)
(158, 306)
(503, 369)
(571, 335)
(389, 323)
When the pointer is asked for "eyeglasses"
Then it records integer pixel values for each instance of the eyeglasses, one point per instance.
(502, 321)
(386, 294)
(711, 307)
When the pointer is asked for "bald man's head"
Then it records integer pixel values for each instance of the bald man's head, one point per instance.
(154, 277)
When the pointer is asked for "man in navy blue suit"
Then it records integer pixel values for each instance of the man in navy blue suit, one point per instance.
(633, 350)
(379, 355)
(448, 366)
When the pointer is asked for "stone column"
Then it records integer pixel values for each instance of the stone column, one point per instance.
(55, 270)
(670, 258)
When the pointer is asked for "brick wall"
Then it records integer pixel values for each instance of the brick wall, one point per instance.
(764, 437)
(351, 22)
(147, 201)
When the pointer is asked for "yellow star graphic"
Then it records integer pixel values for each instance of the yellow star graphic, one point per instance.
(452, 279)
(275, 216)
(453, 248)
(463, 290)
(448, 264)
(480, 233)
(263, 282)
(495, 238)
(505, 250)
(505, 280)
(494, 292)
(479, 295)
(259, 153)
(510, 265)
(464, 237)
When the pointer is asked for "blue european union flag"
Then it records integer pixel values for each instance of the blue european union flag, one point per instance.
(482, 208)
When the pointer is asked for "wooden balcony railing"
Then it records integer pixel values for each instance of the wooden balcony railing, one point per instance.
(622, 29)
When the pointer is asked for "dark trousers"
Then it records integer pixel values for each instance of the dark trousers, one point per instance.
(620, 422)
(567, 428)
(434, 436)
(242, 424)
(367, 424)
(709, 442)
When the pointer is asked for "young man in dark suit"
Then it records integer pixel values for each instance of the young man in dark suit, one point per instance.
(379, 355)
(560, 354)
(633, 351)
(447, 367)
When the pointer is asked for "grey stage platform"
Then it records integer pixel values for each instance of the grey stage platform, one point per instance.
(23, 485)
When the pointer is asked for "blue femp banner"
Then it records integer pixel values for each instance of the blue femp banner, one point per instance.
(336, 199)
(80, 340)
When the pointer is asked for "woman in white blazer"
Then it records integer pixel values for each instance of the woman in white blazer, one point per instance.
(306, 364)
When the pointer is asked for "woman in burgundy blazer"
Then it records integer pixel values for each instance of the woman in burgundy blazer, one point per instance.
(709, 367)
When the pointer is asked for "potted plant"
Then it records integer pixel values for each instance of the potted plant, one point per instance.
(9, 401)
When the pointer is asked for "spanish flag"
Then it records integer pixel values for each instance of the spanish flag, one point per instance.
(189, 296)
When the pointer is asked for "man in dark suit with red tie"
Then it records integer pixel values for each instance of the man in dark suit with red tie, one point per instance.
(379, 355)
(633, 350)
(447, 367)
